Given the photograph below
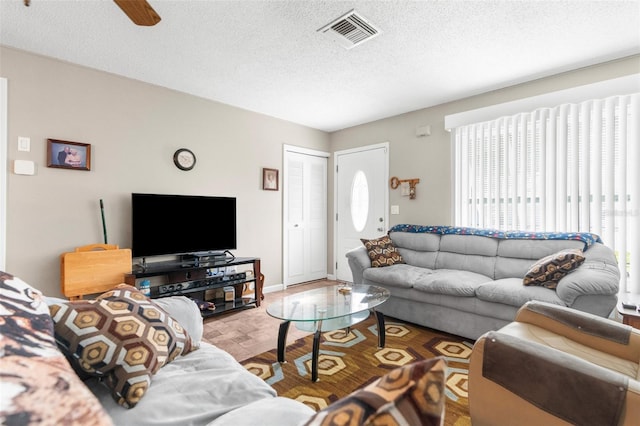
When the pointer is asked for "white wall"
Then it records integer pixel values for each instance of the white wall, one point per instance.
(429, 158)
(134, 129)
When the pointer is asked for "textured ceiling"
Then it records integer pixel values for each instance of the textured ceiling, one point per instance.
(267, 56)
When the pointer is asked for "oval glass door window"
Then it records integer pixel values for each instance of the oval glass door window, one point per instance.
(359, 201)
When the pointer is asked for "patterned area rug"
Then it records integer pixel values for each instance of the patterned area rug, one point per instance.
(348, 362)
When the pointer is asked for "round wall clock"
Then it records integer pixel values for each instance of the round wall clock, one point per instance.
(184, 159)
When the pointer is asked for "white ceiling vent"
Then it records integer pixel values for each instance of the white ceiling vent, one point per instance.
(350, 30)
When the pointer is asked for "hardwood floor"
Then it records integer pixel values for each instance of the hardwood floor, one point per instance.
(252, 331)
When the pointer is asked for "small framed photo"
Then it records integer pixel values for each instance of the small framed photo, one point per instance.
(68, 155)
(270, 179)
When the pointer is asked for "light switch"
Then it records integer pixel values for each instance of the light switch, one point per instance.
(24, 143)
(395, 209)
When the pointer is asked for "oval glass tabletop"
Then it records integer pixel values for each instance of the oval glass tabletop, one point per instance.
(328, 302)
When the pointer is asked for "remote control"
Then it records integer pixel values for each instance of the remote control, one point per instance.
(629, 305)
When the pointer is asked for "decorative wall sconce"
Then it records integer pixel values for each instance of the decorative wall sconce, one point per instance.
(395, 182)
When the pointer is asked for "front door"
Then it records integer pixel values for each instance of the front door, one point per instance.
(362, 194)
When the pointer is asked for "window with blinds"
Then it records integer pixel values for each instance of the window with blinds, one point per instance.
(575, 167)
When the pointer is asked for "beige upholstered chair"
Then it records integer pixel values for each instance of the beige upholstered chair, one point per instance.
(556, 366)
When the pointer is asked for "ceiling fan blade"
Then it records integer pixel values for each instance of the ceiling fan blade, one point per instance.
(139, 11)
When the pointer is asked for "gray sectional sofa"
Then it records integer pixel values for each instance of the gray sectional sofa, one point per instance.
(467, 281)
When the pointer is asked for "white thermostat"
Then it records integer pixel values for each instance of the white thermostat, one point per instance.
(24, 167)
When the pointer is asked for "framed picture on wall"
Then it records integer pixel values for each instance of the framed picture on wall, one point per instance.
(270, 179)
(68, 155)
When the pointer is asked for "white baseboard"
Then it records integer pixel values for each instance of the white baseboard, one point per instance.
(272, 288)
(280, 287)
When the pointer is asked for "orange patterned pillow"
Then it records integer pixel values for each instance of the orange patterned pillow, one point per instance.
(549, 270)
(410, 395)
(382, 252)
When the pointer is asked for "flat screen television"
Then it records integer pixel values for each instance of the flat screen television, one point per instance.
(182, 224)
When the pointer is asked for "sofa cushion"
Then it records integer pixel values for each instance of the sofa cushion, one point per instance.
(409, 395)
(194, 389)
(402, 275)
(417, 249)
(38, 386)
(451, 282)
(424, 259)
(534, 249)
(270, 411)
(469, 245)
(186, 312)
(122, 336)
(468, 253)
(382, 252)
(510, 291)
(512, 267)
(515, 257)
(550, 269)
(416, 241)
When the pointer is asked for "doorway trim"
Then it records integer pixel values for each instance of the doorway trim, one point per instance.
(335, 192)
(3, 173)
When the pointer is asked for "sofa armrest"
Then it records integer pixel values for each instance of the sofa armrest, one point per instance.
(358, 259)
(511, 378)
(186, 312)
(598, 275)
(590, 330)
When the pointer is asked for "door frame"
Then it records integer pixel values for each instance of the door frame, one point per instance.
(335, 192)
(3, 172)
(285, 197)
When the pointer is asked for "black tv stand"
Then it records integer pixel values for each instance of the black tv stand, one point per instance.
(205, 259)
(173, 279)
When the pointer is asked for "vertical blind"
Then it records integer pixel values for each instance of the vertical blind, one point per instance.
(575, 167)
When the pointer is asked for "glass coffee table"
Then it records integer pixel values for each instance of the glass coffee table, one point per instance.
(325, 309)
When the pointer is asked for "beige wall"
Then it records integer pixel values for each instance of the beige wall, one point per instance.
(134, 129)
(429, 158)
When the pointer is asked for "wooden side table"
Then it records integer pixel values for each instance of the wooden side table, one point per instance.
(630, 316)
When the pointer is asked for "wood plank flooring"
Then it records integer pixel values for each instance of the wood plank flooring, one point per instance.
(250, 332)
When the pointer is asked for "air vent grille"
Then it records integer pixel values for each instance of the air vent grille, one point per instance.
(350, 30)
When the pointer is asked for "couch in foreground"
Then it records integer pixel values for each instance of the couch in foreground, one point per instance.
(160, 373)
(468, 281)
(556, 366)
(138, 361)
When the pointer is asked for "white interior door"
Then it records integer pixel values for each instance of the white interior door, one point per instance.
(362, 194)
(305, 216)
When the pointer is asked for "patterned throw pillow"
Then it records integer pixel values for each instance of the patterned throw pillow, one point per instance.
(37, 384)
(408, 395)
(382, 252)
(122, 337)
(549, 270)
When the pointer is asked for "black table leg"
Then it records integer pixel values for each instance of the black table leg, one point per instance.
(316, 350)
(381, 331)
(282, 339)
